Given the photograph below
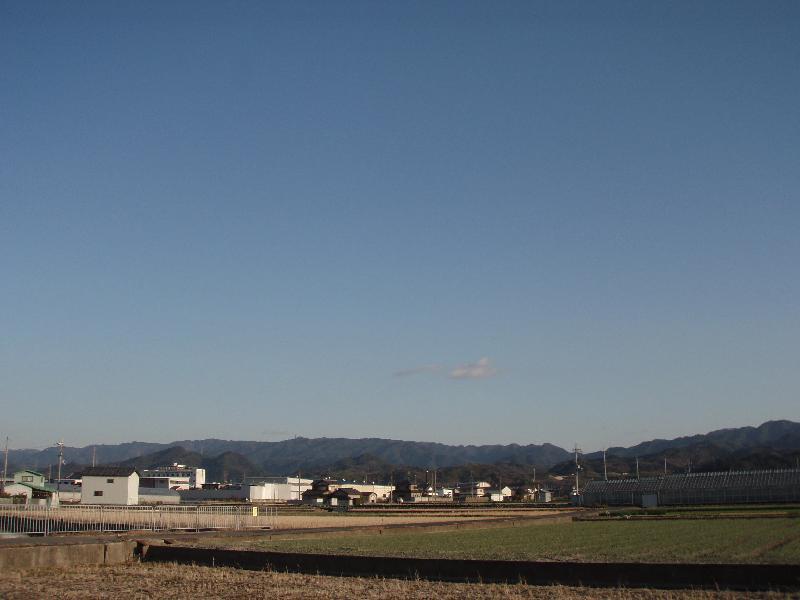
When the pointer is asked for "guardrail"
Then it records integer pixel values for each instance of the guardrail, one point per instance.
(96, 518)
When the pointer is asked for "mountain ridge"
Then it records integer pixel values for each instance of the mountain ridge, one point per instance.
(315, 454)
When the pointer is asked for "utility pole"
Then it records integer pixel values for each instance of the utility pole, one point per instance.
(60, 456)
(637, 467)
(605, 468)
(665, 466)
(5, 468)
(94, 455)
(577, 468)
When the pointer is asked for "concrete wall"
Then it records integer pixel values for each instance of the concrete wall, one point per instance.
(15, 556)
(201, 495)
(123, 490)
(158, 496)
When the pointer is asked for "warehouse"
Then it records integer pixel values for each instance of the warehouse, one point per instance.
(723, 487)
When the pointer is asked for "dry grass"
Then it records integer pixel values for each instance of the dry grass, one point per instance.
(190, 582)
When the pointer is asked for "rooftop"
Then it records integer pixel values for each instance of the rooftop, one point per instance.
(109, 471)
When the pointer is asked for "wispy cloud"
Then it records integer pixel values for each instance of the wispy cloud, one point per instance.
(476, 370)
(418, 370)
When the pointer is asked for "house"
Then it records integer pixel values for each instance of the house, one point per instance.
(344, 497)
(525, 494)
(28, 477)
(368, 498)
(110, 485)
(474, 488)
(320, 490)
(383, 493)
(31, 486)
(498, 494)
(406, 492)
(444, 492)
(494, 494)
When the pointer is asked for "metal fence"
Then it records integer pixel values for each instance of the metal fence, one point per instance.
(95, 518)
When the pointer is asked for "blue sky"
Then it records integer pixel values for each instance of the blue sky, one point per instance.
(458, 222)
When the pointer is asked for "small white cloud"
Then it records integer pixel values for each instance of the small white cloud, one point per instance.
(417, 370)
(476, 370)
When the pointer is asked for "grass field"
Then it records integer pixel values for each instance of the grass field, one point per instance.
(190, 582)
(750, 541)
(317, 519)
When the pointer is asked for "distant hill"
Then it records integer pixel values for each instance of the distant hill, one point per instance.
(772, 434)
(773, 443)
(306, 454)
(226, 466)
(231, 466)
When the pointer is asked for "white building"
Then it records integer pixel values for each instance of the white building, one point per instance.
(110, 485)
(174, 477)
(277, 489)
